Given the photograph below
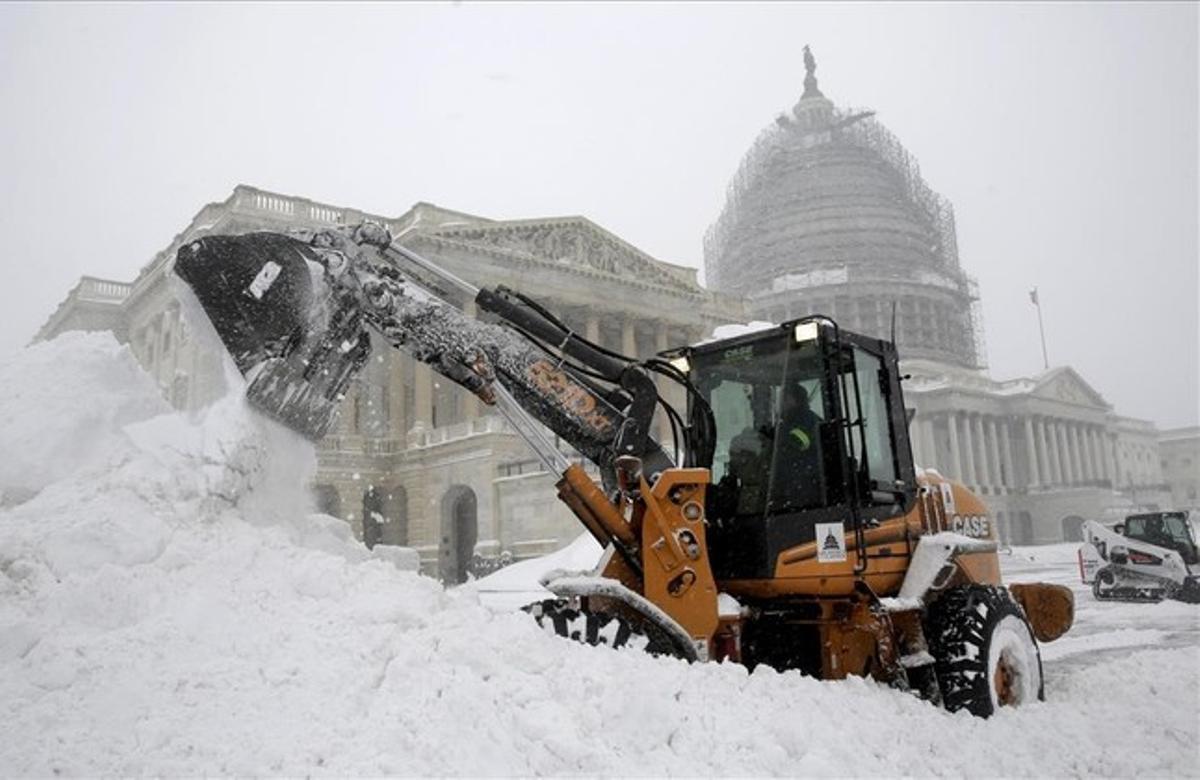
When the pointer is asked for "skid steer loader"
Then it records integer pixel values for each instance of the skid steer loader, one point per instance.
(1149, 557)
(785, 525)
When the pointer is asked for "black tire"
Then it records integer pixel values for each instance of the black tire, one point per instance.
(984, 651)
(562, 618)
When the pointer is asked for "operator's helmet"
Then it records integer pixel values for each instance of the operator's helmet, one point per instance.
(796, 398)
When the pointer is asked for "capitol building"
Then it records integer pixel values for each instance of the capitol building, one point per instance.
(827, 214)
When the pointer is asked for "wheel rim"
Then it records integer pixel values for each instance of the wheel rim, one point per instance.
(1003, 682)
(1013, 670)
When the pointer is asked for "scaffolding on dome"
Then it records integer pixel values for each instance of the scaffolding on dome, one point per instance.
(852, 126)
(858, 128)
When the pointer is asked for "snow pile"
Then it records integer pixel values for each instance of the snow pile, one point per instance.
(63, 403)
(167, 607)
(519, 584)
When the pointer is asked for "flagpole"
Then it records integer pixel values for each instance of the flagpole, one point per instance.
(1033, 296)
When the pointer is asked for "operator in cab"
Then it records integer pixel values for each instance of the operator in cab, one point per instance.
(798, 480)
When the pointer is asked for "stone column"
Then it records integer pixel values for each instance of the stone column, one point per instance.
(1056, 465)
(920, 447)
(1010, 476)
(167, 370)
(993, 440)
(422, 397)
(1110, 457)
(1064, 450)
(1085, 453)
(629, 338)
(1086, 469)
(955, 454)
(1052, 453)
(1076, 453)
(1043, 451)
(395, 390)
(1098, 453)
(592, 328)
(1073, 449)
(1060, 434)
(968, 448)
(930, 444)
(983, 462)
(1033, 471)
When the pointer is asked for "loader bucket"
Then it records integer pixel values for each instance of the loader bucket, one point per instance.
(1050, 609)
(297, 343)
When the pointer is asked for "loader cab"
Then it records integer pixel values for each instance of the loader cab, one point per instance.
(810, 428)
(1170, 530)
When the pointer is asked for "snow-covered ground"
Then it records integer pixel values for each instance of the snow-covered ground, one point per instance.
(168, 606)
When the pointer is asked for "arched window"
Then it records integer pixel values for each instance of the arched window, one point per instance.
(1022, 532)
(328, 500)
(1072, 528)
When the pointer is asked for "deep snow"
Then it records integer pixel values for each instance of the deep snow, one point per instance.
(169, 606)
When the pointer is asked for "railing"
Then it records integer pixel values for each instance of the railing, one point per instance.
(324, 214)
(102, 290)
(299, 209)
(276, 203)
(355, 444)
(460, 430)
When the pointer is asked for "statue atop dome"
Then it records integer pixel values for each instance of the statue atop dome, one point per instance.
(810, 78)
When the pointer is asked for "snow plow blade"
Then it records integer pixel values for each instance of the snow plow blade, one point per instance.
(296, 344)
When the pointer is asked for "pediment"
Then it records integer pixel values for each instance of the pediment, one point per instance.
(573, 243)
(1065, 385)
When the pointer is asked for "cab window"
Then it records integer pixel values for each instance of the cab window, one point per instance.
(768, 401)
(870, 439)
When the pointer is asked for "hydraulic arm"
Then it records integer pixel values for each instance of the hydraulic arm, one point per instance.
(297, 312)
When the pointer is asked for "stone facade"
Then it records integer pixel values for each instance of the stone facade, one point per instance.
(1179, 451)
(1046, 452)
(423, 461)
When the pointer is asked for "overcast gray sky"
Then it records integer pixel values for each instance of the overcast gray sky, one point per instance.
(1065, 135)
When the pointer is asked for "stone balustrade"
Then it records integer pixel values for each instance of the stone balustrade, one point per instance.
(102, 290)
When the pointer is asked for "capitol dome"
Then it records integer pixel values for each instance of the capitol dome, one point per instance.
(828, 214)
